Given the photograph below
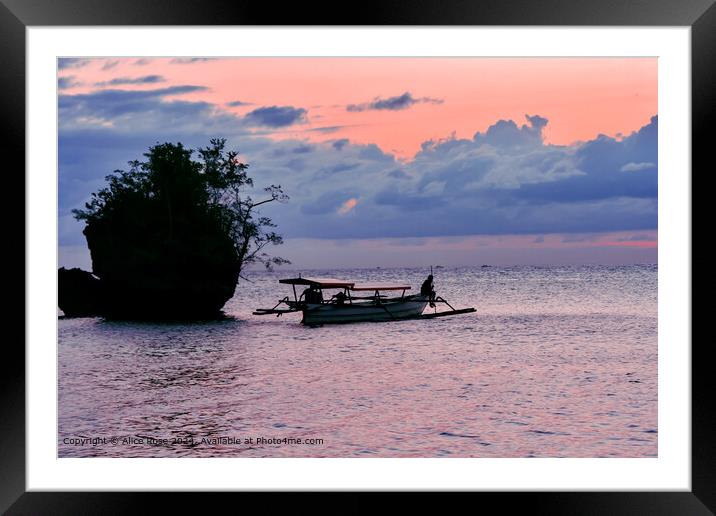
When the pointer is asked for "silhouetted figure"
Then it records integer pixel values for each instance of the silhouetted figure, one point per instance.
(306, 294)
(426, 289)
(340, 298)
(312, 296)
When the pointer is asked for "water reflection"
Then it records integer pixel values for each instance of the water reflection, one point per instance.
(556, 362)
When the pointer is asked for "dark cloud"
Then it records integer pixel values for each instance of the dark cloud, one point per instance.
(329, 202)
(121, 103)
(601, 162)
(238, 103)
(146, 79)
(536, 121)
(275, 116)
(417, 200)
(374, 153)
(71, 62)
(339, 144)
(330, 170)
(398, 174)
(302, 149)
(343, 167)
(296, 164)
(66, 82)
(326, 130)
(108, 65)
(397, 103)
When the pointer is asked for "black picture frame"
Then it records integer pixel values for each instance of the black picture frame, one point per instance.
(17, 15)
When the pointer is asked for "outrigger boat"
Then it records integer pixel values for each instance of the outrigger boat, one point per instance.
(346, 306)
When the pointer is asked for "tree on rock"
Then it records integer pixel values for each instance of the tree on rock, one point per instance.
(171, 236)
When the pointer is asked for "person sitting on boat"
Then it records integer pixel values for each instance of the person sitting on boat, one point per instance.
(426, 289)
(340, 298)
(312, 296)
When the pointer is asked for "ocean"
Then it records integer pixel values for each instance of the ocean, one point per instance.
(556, 362)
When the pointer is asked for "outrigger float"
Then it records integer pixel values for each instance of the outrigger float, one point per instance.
(347, 307)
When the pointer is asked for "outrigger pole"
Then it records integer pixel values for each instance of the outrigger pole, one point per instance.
(453, 311)
(446, 313)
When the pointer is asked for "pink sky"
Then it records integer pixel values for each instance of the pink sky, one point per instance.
(456, 97)
(581, 97)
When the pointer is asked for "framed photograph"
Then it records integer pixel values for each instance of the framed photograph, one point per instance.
(445, 249)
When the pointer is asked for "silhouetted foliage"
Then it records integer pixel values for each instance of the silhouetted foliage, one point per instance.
(171, 236)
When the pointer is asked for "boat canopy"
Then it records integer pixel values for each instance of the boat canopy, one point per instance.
(319, 282)
(379, 286)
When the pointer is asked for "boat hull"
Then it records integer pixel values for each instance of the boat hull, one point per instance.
(364, 312)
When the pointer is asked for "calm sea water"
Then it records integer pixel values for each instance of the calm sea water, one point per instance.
(557, 362)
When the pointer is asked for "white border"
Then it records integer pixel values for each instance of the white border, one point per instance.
(671, 470)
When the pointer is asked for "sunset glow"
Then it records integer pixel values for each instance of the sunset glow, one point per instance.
(582, 97)
(375, 148)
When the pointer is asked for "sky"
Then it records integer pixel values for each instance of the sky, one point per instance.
(392, 161)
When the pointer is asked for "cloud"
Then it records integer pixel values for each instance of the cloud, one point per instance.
(536, 121)
(146, 79)
(336, 202)
(636, 167)
(276, 116)
(189, 60)
(302, 149)
(109, 105)
(238, 103)
(600, 163)
(71, 62)
(503, 180)
(637, 238)
(506, 133)
(577, 238)
(410, 201)
(326, 129)
(66, 82)
(339, 144)
(524, 185)
(372, 152)
(342, 167)
(398, 174)
(397, 103)
(109, 64)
